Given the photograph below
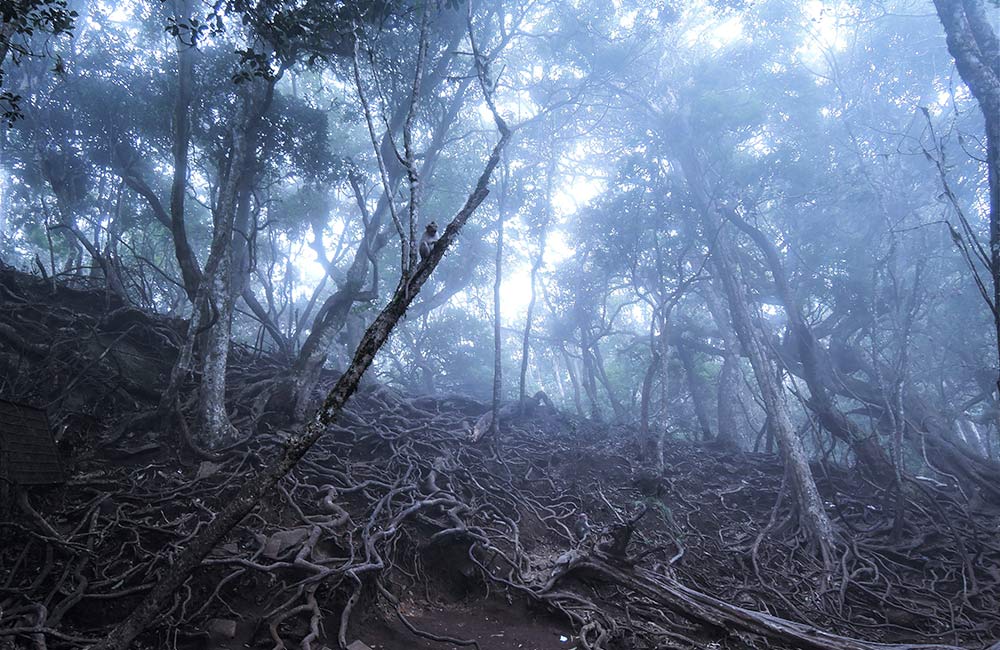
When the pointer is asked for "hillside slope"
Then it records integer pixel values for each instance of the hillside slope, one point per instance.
(398, 532)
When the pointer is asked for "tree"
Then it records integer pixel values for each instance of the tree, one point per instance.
(297, 446)
(976, 50)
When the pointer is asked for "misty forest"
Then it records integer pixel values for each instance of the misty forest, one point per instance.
(500, 324)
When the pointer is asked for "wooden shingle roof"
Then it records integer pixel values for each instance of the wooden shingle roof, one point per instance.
(28, 454)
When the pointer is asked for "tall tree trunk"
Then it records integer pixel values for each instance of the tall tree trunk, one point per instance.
(730, 380)
(646, 396)
(180, 148)
(663, 351)
(589, 375)
(866, 448)
(573, 380)
(213, 426)
(331, 318)
(602, 375)
(536, 265)
(976, 50)
(648, 379)
(812, 515)
(557, 375)
(497, 281)
(696, 388)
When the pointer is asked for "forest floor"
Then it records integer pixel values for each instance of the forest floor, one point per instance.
(397, 531)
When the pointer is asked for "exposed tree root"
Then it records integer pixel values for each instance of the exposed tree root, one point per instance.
(394, 509)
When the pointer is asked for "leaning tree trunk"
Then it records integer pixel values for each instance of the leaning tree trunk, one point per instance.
(265, 481)
(869, 453)
(812, 515)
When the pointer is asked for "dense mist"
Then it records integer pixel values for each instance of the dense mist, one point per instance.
(622, 324)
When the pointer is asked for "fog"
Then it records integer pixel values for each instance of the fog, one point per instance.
(753, 231)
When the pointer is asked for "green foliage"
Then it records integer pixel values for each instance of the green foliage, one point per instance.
(23, 20)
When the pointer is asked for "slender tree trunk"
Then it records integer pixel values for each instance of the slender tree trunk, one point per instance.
(536, 265)
(329, 321)
(646, 396)
(602, 376)
(557, 375)
(213, 426)
(77, 242)
(812, 514)
(497, 333)
(589, 379)
(730, 378)
(651, 440)
(333, 315)
(695, 388)
(574, 381)
(180, 147)
(663, 351)
(976, 50)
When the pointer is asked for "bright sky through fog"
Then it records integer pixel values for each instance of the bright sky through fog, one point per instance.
(122, 13)
(822, 31)
(516, 289)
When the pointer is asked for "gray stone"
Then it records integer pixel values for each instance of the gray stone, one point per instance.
(282, 540)
(207, 468)
(221, 628)
(358, 645)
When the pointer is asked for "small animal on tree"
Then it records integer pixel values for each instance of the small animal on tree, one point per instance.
(428, 240)
(581, 528)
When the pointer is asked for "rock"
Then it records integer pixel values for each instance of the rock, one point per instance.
(358, 645)
(282, 540)
(206, 469)
(221, 628)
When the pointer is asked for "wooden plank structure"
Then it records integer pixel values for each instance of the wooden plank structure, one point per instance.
(28, 453)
